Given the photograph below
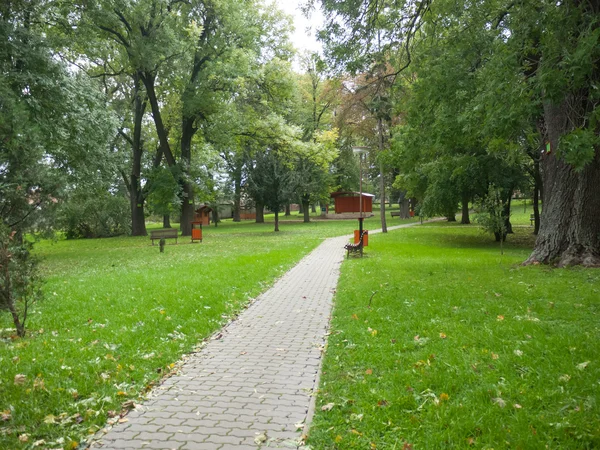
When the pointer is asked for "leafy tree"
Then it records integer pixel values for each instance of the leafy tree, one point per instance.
(272, 182)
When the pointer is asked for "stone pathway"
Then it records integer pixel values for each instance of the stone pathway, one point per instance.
(251, 386)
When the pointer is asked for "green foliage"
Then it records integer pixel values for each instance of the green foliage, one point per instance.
(20, 281)
(578, 147)
(93, 214)
(492, 214)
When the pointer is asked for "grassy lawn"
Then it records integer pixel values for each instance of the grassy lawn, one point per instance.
(118, 315)
(461, 347)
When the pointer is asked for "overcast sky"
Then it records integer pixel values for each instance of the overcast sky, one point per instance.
(302, 38)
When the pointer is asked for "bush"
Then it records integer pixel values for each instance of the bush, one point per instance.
(91, 216)
(19, 278)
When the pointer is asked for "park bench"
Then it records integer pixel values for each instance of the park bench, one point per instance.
(531, 219)
(169, 233)
(356, 248)
(395, 213)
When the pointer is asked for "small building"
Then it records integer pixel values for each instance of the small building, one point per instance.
(348, 202)
(202, 215)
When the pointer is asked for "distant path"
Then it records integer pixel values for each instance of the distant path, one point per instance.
(254, 380)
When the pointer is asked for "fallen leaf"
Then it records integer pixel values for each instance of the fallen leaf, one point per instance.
(517, 406)
(50, 419)
(442, 336)
(6, 415)
(564, 377)
(24, 437)
(299, 425)
(123, 420)
(338, 438)
(500, 318)
(444, 397)
(354, 317)
(498, 401)
(407, 446)
(470, 441)
(518, 352)
(382, 403)
(39, 443)
(111, 414)
(327, 407)
(582, 365)
(20, 379)
(260, 438)
(358, 433)
(374, 333)
(369, 371)
(494, 355)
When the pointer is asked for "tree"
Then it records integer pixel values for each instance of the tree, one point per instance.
(54, 131)
(271, 181)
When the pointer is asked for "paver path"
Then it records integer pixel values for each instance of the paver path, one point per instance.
(255, 381)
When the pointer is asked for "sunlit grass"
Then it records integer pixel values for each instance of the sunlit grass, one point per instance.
(462, 347)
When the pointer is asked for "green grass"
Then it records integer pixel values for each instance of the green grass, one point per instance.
(118, 314)
(461, 347)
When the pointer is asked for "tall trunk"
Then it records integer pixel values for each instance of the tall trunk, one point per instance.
(161, 131)
(506, 214)
(305, 209)
(537, 188)
(215, 216)
(465, 210)
(301, 207)
(313, 208)
(570, 230)
(381, 178)
(187, 205)
(237, 192)
(136, 194)
(276, 220)
(451, 216)
(260, 212)
(166, 221)
(404, 208)
(288, 209)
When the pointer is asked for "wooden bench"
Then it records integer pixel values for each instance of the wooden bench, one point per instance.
(169, 233)
(355, 248)
(395, 213)
(531, 219)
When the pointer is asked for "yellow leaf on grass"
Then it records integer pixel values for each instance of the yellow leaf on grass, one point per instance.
(369, 371)
(50, 419)
(374, 333)
(444, 397)
(443, 336)
(122, 393)
(500, 318)
(358, 433)
(338, 438)
(20, 379)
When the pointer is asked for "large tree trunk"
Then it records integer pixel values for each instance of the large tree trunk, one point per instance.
(276, 220)
(570, 230)
(305, 201)
(537, 188)
(136, 194)
(166, 221)
(288, 209)
(237, 193)
(405, 208)
(187, 205)
(260, 212)
(465, 210)
(381, 179)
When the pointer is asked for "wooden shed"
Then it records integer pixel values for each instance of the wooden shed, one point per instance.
(348, 202)
(202, 215)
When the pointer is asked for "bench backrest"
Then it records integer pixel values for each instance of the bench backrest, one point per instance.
(164, 233)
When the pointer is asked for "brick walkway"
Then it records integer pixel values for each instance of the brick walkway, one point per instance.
(254, 383)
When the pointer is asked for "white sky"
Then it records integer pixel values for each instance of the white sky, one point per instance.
(304, 36)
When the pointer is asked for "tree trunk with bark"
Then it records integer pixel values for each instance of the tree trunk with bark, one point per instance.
(276, 220)
(305, 209)
(404, 208)
(465, 219)
(136, 193)
(570, 230)
(237, 194)
(166, 221)
(537, 188)
(381, 178)
(260, 212)
(288, 209)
